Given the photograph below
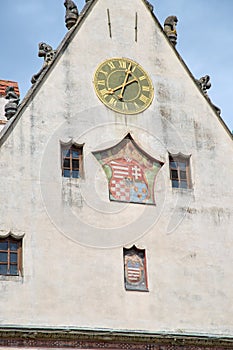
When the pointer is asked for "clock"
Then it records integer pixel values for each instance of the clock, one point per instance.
(123, 86)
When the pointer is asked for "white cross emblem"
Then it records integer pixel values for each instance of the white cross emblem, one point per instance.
(136, 172)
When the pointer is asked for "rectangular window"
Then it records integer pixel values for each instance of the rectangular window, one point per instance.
(180, 171)
(10, 256)
(72, 159)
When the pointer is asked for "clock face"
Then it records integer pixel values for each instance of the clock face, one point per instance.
(123, 85)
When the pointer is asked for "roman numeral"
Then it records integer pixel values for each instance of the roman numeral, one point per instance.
(143, 98)
(125, 106)
(103, 72)
(145, 88)
(142, 77)
(101, 82)
(104, 92)
(112, 102)
(111, 65)
(136, 105)
(122, 64)
(133, 68)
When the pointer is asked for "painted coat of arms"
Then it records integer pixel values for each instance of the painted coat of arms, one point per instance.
(135, 269)
(130, 171)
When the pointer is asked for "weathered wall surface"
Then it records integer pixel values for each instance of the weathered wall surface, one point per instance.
(2, 105)
(74, 237)
(2, 112)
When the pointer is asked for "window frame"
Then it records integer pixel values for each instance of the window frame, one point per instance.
(180, 158)
(72, 147)
(10, 239)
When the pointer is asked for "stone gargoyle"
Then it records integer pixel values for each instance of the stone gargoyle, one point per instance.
(48, 53)
(12, 106)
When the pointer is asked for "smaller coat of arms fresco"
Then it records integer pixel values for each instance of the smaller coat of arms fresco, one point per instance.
(135, 269)
(130, 172)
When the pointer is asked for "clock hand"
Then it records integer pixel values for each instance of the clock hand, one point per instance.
(128, 72)
(111, 91)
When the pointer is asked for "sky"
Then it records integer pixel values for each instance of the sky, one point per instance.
(205, 41)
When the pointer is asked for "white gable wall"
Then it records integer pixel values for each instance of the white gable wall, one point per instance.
(74, 237)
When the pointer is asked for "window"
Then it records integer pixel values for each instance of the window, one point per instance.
(180, 171)
(135, 269)
(72, 161)
(10, 256)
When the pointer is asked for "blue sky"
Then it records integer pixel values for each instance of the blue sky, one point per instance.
(205, 40)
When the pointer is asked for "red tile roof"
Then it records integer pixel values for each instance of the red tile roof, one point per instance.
(5, 83)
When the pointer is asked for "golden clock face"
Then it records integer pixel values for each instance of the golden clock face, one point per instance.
(123, 85)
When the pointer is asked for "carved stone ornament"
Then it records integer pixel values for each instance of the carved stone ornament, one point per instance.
(48, 53)
(12, 106)
(71, 13)
(205, 84)
(149, 5)
(170, 29)
(14, 234)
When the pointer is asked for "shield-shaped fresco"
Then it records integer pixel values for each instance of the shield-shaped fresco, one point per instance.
(130, 171)
(133, 269)
(128, 183)
(135, 274)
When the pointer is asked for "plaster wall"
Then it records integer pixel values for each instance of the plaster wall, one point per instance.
(74, 237)
(2, 111)
(2, 105)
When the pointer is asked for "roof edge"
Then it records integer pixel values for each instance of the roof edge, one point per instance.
(62, 46)
(35, 87)
(190, 74)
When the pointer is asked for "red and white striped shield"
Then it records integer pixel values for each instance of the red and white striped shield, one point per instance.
(133, 269)
(128, 182)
